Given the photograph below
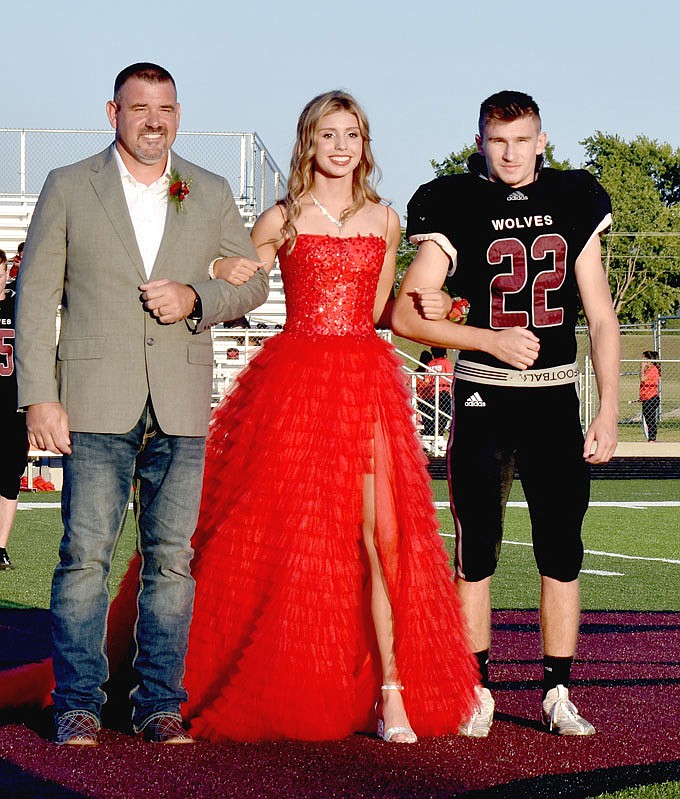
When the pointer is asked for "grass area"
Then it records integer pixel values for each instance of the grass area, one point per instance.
(637, 532)
(34, 550)
(665, 790)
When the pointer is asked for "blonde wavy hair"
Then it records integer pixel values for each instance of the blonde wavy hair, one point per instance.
(301, 174)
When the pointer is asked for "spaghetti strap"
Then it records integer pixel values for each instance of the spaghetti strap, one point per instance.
(387, 221)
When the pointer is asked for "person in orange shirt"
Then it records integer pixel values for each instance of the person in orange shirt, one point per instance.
(650, 379)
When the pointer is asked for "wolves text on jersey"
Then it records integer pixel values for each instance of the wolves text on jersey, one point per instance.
(519, 222)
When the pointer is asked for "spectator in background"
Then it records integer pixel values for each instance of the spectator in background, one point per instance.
(650, 379)
(13, 424)
(16, 262)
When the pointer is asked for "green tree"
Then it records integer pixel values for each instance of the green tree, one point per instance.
(642, 249)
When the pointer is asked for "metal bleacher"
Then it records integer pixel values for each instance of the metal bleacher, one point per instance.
(15, 215)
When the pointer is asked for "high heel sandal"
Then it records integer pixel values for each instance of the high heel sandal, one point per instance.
(388, 734)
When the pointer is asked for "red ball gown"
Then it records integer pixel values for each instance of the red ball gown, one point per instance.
(282, 643)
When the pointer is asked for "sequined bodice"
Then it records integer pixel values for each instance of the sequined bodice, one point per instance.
(330, 284)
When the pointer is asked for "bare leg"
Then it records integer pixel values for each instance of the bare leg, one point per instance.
(476, 605)
(393, 709)
(560, 612)
(8, 512)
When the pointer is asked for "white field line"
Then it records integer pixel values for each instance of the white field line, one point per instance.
(39, 505)
(603, 554)
(601, 573)
(587, 551)
(43, 505)
(634, 505)
(661, 504)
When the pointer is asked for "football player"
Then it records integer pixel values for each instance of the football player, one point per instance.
(521, 242)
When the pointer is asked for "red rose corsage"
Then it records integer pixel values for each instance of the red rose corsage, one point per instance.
(459, 311)
(179, 189)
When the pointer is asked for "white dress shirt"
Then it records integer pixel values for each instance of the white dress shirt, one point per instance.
(147, 206)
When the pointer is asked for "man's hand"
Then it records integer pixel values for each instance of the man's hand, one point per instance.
(236, 269)
(47, 424)
(432, 303)
(168, 300)
(515, 346)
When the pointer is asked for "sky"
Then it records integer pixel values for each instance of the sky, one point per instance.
(420, 68)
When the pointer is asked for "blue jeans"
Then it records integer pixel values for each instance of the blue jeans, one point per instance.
(167, 474)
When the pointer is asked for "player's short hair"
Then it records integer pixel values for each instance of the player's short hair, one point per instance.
(507, 106)
(439, 352)
(3, 257)
(144, 70)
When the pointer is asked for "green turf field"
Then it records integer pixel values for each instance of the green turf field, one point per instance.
(632, 558)
(646, 579)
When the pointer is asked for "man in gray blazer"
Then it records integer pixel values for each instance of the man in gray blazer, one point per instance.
(124, 242)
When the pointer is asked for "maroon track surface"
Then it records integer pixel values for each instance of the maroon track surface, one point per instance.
(627, 682)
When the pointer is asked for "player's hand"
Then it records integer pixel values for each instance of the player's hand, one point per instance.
(47, 425)
(515, 346)
(168, 300)
(236, 269)
(601, 438)
(433, 304)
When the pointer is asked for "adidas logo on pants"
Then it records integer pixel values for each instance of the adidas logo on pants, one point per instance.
(475, 401)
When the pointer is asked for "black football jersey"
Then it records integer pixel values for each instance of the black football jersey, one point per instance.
(8, 377)
(515, 250)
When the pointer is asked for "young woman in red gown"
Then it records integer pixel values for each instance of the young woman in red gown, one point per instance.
(322, 584)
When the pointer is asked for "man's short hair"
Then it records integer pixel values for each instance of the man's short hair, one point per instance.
(144, 70)
(439, 352)
(507, 105)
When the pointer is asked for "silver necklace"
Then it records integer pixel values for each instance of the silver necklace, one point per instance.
(338, 224)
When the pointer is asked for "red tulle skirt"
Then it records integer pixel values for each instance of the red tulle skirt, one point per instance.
(282, 643)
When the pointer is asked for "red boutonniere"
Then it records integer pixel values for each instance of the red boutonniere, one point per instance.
(178, 190)
(459, 311)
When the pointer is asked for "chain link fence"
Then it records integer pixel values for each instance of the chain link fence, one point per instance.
(634, 425)
(430, 397)
(662, 336)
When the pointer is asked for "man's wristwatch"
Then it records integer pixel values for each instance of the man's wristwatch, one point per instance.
(197, 311)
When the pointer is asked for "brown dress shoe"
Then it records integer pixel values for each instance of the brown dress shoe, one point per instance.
(165, 728)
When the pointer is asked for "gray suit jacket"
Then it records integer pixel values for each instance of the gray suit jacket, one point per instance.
(81, 251)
